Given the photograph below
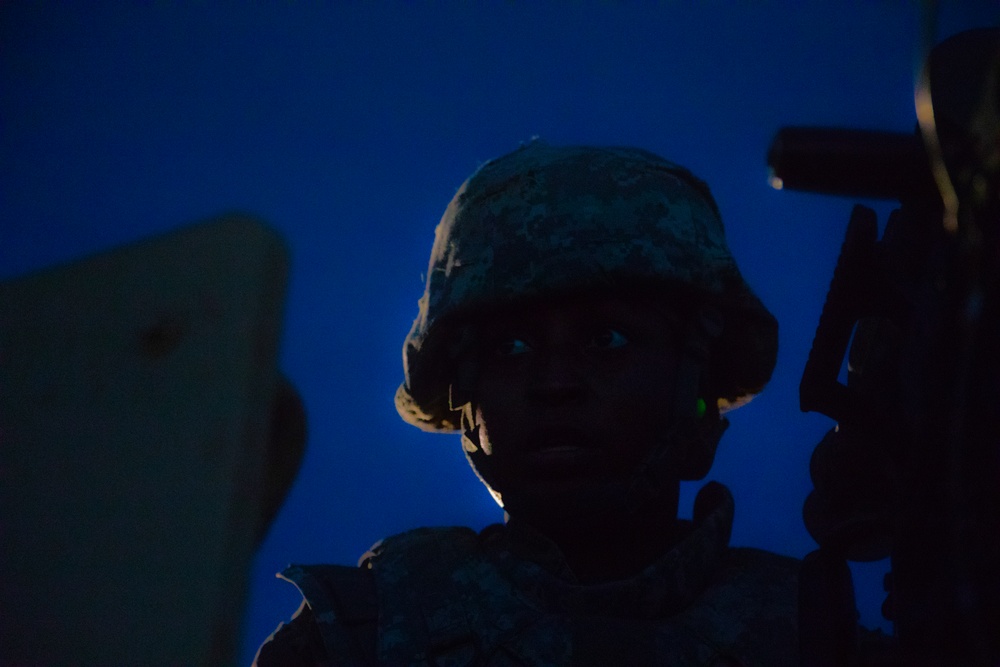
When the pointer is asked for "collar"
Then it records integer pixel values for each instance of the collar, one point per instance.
(543, 580)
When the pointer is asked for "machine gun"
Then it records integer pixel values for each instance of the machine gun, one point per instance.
(912, 470)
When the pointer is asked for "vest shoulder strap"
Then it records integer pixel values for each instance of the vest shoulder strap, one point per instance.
(345, 606)
(427, 605)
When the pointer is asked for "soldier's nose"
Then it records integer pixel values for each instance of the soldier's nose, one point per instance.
(557, 377)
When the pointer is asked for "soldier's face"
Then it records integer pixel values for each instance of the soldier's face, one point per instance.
(571, 396)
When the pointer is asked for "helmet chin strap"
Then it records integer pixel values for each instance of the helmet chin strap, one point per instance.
(687, 449)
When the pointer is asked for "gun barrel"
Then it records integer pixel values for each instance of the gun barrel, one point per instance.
(852, 163)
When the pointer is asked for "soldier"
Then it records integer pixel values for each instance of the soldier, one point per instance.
(584, 327)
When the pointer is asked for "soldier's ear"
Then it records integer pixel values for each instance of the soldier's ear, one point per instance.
(459, 395)
(697, 459)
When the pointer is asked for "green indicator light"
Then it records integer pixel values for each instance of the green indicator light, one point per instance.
(700, 407)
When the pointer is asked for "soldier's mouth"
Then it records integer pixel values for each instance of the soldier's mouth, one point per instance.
(555, 436)
(561, 450)
(563, 460)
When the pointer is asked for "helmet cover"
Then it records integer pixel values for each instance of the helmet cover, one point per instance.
(544, 220)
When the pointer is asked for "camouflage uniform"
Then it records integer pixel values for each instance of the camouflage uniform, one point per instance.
(539, 222)
(446, 596)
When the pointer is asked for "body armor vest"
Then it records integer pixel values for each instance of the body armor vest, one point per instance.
(447, 596)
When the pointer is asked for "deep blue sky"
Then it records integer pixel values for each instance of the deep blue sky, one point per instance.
(349, 126)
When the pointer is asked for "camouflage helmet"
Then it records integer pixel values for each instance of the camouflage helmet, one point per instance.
(544, 220)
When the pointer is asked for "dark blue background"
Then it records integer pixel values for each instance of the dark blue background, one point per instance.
(349, 126)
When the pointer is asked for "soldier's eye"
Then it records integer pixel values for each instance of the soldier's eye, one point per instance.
(512, 347)
(607, 339)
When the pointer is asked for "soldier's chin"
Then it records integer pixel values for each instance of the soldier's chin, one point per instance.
(557, 505)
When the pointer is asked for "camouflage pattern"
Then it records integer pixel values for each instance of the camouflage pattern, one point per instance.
(447, 596)
(545, 219)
